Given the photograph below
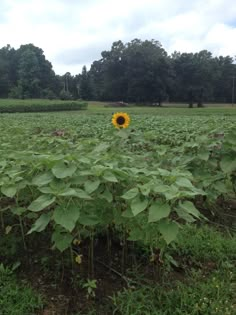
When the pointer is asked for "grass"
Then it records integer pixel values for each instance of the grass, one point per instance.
(214, 295)
(207, 286)
(205, 244)
(15, 298)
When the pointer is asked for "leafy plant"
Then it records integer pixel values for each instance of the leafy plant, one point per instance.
(90, 287)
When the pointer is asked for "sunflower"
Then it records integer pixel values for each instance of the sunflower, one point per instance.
(121, 120)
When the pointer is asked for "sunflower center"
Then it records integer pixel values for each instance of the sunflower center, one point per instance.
(120, 120)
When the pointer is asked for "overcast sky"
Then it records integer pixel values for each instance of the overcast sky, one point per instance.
(74, 32)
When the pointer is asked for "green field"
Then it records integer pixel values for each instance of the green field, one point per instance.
(134, 222)
(38, 105)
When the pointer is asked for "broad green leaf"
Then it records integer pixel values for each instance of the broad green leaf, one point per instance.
(184, 182)
(130, 194)
(163, 172)
(90, 186)
(189, 207)
(203, 154)
(169, 230)
(221, 187)
(122, 133)
(184, 215)
(42, 179)
(136, 235)
(159, 189)
(9, 191)
(110, 177)
(138, 205)
(46, 190)
(41, 224)
(88, 219)
(106, 195)
(145, 189)
(41, 203)
(127, 213)
(66, 217)
(62, 241)
(63, 169)
(102, 147)
(158, 210)
(172, 193)
(228, 164)
(69, 192)
(82, 194)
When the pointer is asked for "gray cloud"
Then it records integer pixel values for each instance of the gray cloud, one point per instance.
(83, 55)
(75, 32)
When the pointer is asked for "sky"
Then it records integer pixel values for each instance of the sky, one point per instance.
(73, 33)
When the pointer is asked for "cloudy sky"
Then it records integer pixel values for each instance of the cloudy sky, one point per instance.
(74, 32)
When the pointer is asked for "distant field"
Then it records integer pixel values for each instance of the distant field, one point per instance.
(167, 109)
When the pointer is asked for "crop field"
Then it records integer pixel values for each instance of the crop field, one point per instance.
(135, 221)
(39, 105)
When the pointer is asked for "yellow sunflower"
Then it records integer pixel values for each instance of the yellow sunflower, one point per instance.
(121, 120)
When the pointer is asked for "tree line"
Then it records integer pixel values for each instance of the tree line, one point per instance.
(138, 72)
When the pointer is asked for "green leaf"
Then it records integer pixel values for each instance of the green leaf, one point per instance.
(107, 195)
(127, 213)
(18, 210)
(160, 188)
(169, 230)
(189, 207)
(145, 189)
(42, 179)
(82, 194)
(88, 219)
(90, 186)
(184, 182)
(228, 164)
(172, 193)
(62, 169)
(9, 191)
(46, 190)
(68, 192)
(62, 241)
(130, 194)
(203, 154)
(158, 210)
(138, 205)
(136, 235)
(66, 217)
(40, 224)
(41, 203)
(110, 177)
(184, 215)
(122, 133)
(221, 187)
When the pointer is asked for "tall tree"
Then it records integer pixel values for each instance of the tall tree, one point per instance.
(85, 91)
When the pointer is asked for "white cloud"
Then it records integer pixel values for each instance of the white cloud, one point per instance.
(74, 32)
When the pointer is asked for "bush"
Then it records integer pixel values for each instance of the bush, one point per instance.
(40, 106)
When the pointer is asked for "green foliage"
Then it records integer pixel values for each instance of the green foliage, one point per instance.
(16, 298)
(15, 106)
(90, 287)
